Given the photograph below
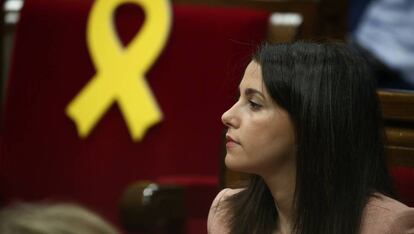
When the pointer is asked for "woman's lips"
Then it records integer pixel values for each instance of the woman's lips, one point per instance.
(230, 142)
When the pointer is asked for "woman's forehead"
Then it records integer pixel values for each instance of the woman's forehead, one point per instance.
(252, 78)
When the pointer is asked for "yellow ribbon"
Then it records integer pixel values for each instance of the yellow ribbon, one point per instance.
(120, 71)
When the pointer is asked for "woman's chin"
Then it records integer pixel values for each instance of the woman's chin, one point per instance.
(234, 163)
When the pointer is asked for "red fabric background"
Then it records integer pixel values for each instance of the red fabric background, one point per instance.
(193, 82)
(404, 184)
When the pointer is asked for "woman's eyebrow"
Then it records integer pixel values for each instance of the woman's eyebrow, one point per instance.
(250, 92)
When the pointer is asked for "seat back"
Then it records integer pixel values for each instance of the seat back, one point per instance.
(398, 111)
(42, 156)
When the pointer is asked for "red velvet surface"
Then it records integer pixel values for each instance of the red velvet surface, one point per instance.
(199, 192)
(193, 82)
(404, 184)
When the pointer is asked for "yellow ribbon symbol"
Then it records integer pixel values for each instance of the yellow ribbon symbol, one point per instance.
(120, 71)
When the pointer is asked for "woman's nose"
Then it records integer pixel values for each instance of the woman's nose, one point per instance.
(229, 119)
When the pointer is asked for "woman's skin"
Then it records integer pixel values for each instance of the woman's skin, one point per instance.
(261, 140)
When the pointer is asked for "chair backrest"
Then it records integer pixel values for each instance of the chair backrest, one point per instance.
(398, 113)
(41, 153)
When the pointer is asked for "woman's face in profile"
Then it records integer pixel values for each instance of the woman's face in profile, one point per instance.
(260, 137)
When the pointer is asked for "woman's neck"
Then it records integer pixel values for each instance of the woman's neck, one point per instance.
(282, 188)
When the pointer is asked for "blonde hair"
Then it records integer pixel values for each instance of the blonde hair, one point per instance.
(61, 218)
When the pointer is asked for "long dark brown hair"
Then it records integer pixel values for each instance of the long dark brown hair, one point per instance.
(330, 95)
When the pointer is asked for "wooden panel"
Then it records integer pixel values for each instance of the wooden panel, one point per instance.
(400, 156)
(397, 105)
(332, 19)
(400, 136)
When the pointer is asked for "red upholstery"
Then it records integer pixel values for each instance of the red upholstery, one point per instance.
(404, 184)
(42, 156)
(199, 194)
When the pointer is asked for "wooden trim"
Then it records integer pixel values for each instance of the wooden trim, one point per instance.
(397, 105)
(400, 156)
(399, 136)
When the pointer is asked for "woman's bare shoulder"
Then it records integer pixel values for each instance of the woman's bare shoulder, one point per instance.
(216, 223)
(224, 194)
(386, 215)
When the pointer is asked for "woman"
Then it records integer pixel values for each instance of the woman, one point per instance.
(307, 127)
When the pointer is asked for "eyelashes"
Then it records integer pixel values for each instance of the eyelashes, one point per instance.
(254, 106)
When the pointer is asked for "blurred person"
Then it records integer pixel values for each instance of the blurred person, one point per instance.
(307, 128)
(383, 30)
(61, 218)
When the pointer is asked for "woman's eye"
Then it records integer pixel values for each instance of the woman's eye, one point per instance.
(254, 105)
